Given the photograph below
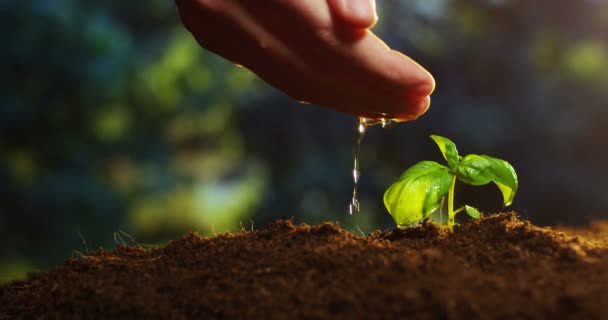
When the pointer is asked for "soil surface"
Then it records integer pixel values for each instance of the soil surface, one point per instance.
(498, 267)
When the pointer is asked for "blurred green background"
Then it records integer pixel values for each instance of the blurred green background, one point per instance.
(113, 120)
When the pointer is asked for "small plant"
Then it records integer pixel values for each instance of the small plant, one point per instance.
(421, 189)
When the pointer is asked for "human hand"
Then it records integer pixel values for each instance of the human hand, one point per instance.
(318, 51)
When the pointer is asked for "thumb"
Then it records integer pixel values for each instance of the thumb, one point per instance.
(360, 14)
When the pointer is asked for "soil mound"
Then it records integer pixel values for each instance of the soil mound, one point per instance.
(496, 267)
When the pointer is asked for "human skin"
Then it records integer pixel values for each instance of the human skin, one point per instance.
(316, 51)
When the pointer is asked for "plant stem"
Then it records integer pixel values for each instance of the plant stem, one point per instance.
(451, 212)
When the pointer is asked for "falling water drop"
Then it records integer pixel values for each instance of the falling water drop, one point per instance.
(354, 203)
(363, 124)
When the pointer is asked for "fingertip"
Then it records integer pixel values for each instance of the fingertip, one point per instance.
(414, 109)
(430, 84)
(423, 106)
(425, 88)
(422, 83)
(359, 14)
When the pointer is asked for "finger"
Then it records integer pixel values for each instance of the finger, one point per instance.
(345, 96)
(386, 69)
(378, 79)
(372, 105)
(354, 13)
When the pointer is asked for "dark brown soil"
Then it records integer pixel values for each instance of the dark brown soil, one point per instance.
(495, 268)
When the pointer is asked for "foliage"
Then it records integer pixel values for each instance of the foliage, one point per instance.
(420, 190)
(114, 118)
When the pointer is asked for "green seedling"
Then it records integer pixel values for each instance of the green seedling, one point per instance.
(421, 189)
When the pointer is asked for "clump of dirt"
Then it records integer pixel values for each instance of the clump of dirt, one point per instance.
(496, 267)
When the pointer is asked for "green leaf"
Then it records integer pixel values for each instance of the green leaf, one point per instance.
(473, 212)
(418, 192)
(474, 170)
(448, 149)
(481, 169)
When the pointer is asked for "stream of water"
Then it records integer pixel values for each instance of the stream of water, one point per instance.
(363, 124)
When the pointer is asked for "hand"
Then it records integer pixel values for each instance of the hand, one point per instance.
(318, 51)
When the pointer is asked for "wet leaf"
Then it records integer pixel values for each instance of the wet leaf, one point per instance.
(418, 192)
(481, 169)
(448, 149)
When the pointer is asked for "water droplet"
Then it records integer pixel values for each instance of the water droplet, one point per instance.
(363, 124)
(383, 122)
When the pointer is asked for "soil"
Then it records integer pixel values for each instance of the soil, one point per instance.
(498, 267)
